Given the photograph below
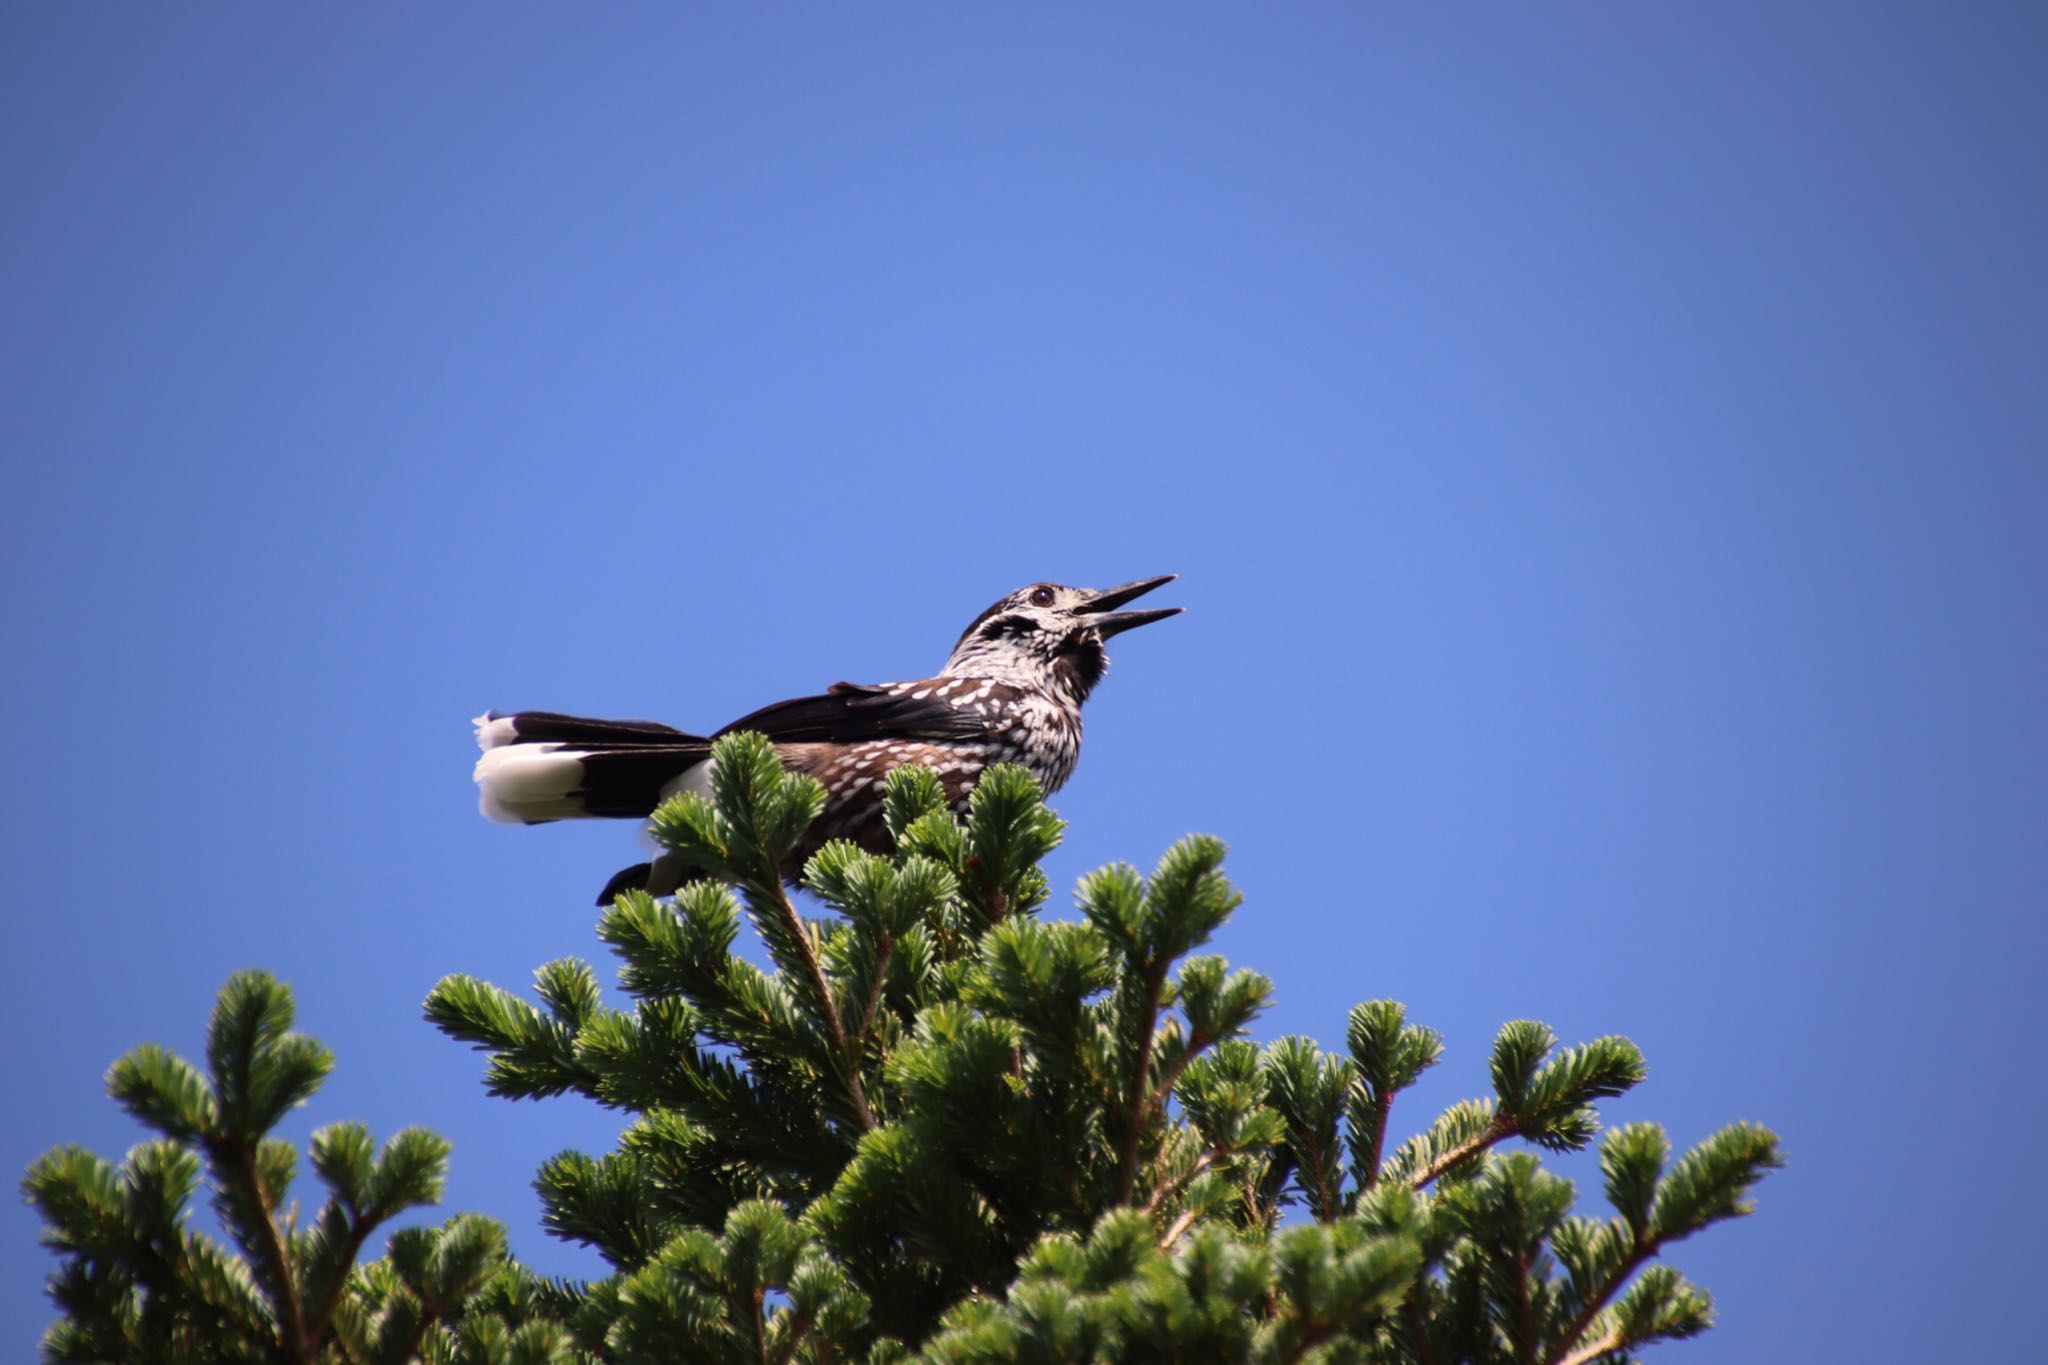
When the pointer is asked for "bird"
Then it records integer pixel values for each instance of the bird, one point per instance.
(1011, 691)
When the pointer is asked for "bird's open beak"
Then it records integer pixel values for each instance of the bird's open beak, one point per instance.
(1108, 622)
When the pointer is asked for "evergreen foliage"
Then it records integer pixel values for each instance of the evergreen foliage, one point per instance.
(940, 1127)
(137, 1283)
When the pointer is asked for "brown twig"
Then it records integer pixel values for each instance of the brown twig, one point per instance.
(1503, 1126)
(834, 1030)
(1178, 1226)
(1312, 1334)
(1141, 1093)
(239, 1158)
(1157, 1103)
(1418, 1329)
(1586, 1354)
(799, 1328)
(867, 1014)
(1369, 1170)
(1198, 1043)
(1583, 1319)
(429, 1315)
(360, 1226)
(1173, 1187)
(1525, 1319)
(1331, 1205)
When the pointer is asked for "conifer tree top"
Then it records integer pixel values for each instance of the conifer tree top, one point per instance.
(940, 1124)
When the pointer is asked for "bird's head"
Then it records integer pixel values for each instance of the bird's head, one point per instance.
(1052, 636)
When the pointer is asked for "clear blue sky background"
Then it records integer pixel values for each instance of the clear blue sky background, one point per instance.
(1603, 447)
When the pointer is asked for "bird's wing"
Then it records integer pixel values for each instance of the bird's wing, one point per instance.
(848, 713)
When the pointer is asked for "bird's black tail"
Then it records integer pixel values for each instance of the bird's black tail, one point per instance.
(540, 766)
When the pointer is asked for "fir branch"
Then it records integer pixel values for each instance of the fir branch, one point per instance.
(418, 1334)
(1502, 1127)
(1525, 1317)
(1708, 1184)
(1312, 1334)
(884, 951)
(1141, 1094)
(744, 836)
(1179, 1226)
(835, 1032)
(1593, 1350)
(1198, 1043)
(1307, 1087)
(1369, 1168)
(1411, 1308)
(1389, 1054)
(1595, 1302)
(800, 1321)
(360, 1228)
(236, 1161)
(1170, 1191)
(1326, 1193)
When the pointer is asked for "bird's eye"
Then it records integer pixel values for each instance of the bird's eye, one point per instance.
(1041, 596)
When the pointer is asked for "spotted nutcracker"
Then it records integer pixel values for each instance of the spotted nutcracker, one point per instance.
(1010, 693)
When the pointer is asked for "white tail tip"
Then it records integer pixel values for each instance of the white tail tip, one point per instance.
(493, 730)
(524, 784)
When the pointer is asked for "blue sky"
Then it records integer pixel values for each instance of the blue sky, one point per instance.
(1603, 448)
